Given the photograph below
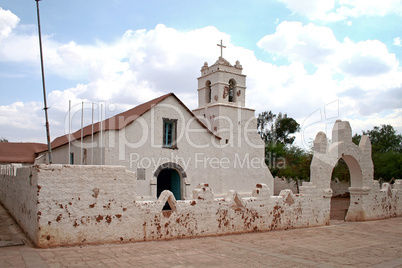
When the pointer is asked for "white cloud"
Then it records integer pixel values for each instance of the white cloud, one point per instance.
(362, 124)
(366, 58)
(364, 77)
(144, 64)
(302, 43)
(397, 42)
(317, 45)
(22, 121)
(8, 21)
(357, 8)
(312, 9)
(335, 10)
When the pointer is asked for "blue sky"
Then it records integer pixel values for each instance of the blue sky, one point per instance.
(316, 60)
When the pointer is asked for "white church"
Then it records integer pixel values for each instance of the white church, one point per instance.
(109, 181)
(170, 147)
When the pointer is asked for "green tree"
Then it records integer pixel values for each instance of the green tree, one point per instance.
(341, 171)
(265, 125)
(284, 127)
(297, 165)
(283, 158)
(384, 139)
(277, 128)
(275, 154)
(386, 151)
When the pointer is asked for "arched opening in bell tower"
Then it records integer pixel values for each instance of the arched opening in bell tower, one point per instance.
(232, 90)
(208, 93)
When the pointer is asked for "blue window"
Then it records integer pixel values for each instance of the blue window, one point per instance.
(169, 133)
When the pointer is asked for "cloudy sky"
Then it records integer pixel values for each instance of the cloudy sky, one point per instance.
(316, 60)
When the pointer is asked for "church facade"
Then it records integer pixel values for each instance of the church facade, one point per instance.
(172, 148)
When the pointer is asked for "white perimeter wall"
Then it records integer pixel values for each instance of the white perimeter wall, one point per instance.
(67, 205)
(19, 194)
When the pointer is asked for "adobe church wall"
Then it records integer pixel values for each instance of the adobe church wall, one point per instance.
(60, 155)
(246, 151)
(139, 145)
(204, 157)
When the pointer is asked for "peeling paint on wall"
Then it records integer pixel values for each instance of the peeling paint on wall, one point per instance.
(59, 205)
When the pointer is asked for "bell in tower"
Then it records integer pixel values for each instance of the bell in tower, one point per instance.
(221, 91)
(221, 83)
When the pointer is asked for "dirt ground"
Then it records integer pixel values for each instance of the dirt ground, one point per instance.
(339, 208)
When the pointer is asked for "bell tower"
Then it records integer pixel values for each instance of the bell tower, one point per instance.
(221, 107)
(221, 83)
(222, 98)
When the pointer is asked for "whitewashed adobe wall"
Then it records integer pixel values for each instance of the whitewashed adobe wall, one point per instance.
(91, 204)
(19, 194)
(282, 184)
(367, 200)
(69, 205)
(339, 188)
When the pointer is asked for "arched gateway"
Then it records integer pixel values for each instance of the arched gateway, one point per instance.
(170, 176)
(358, 159)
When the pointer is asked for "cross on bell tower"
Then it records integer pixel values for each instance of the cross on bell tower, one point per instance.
(222, 47)
(221, 83)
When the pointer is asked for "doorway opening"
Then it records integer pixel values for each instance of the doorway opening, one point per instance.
(340, 183)
(169, 179)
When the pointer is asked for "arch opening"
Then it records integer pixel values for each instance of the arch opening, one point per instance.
(340, 183)
(170, 176)
(345, 173)
(232, 90)
(208, 91)
(169, 179)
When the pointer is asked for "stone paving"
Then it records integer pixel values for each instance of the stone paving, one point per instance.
(341, 244)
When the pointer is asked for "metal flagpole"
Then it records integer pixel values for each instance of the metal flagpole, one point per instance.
(82, 127)
(69, 132)
(101, 138)
(92, 138)
(49, 148)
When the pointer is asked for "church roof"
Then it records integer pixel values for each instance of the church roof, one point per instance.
(20, 152)
(119, 121)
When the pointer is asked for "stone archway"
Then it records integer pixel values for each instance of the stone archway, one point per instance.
(171, 176)
(357, 158)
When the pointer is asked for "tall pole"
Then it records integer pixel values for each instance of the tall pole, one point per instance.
(82, 129)
(49, 148)
(101, 138)
(69, 133)
(92, 136)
